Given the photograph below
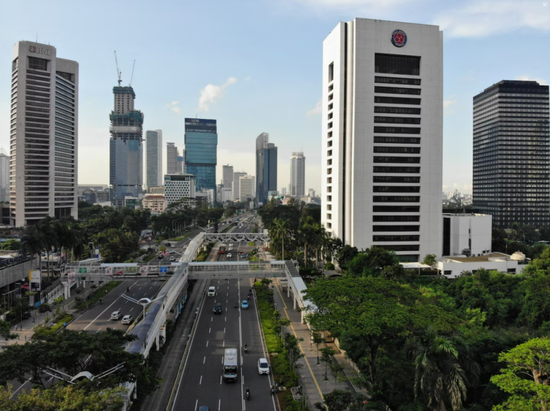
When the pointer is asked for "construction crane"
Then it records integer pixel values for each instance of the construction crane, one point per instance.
(132, 76)
(118, 72)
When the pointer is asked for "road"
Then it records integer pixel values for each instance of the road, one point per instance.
(201, 383)
(98, 317)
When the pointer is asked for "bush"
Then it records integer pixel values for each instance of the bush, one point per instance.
(43, 308)
(329, 266)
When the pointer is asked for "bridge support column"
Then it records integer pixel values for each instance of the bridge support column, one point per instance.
(66, 290)
(294, 302)
(157, 341)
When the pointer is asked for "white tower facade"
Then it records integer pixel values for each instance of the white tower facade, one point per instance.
(154, 158)
(382, 143)
(43, 135)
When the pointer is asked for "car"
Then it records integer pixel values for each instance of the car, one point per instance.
(245, 256)
(240, 253)
(127, 319)
(229, 255)
(26, 315)
(115, 315)
(172, 258)
(172, 251)
(218, 308)
(263, 366)
(211, 291)
(244, 305)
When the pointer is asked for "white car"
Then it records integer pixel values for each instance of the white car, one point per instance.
(263, 366)
(127, 319)
(211, 291)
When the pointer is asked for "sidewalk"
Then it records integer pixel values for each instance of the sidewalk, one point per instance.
(312, 372)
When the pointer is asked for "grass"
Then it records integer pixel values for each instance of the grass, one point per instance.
(149, 258)
(267, 317)
(226, 229)
(182, 237)
(97, 294)
(251, 243)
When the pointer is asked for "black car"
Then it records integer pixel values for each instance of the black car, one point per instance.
(218, 309)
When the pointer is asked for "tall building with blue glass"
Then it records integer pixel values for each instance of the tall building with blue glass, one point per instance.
(266, 168)
(126, 147)
(201, 143)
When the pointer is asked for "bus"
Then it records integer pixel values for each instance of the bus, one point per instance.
(230, 369)
(222, 249)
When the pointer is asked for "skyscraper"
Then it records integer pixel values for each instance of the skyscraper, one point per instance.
(236, 185)
(297, 175)
(228, 176)
(511, 162)
(154, 158)
(246, 188)
(126, 147)
(43, 134)
(4, 178)
(172, 159)
(382, 136)
(201, 144)
(266, 167)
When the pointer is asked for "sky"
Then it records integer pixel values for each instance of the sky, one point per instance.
(255, 66)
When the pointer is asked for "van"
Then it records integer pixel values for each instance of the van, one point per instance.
(116, 314)
(211, 291)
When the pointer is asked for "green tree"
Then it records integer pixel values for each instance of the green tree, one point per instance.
(5, 331)
(345, 254)
(279, 230)
(429, 259)
(526, 376)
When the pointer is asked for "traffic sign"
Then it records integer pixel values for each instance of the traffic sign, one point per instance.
(163, 269)
(82, 270)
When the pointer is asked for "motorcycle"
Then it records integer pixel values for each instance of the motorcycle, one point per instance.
(248, 394)
(245, 348)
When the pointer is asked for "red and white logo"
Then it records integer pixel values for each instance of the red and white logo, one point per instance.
(399, 38)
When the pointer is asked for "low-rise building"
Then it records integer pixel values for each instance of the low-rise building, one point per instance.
(154, 202)
(467, 234)
(178, 186)
(453, 267)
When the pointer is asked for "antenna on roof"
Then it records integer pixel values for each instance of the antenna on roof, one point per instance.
(132, 76)
(118, 72)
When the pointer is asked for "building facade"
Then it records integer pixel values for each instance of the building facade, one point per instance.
(178, 186)
(154, 158)
(236, 185)
(171, 159)
(228, 177)
(4, 178)
(43, 135)
(201, 145)
(126, 147)
(246, 191)
(467, 234)
(154, 202)
(297, 175)
(382, 142)
(511, 162)
(266, 167)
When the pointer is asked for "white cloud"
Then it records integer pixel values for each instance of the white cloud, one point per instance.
(527, 77)
(316, 110)
(174, 106)
(356, 5)
(476, 18)
(451, 101)
(212, 94)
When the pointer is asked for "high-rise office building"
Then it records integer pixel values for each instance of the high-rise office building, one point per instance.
(126, 147)
(382, 142)
(154, 158)
(201, 145)
(4, 178)
(228, 176)
(236, 184)
(246, 185)
(266, 167)
(172, 159)
(43, 135)
(297, 175)
(511, 162)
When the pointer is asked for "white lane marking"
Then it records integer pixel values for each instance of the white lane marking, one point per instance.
(212, 319)
(209, 330)
(226, 319)
(196, 404)
(220, 380)
(17, 390)
(204, 359)
(200, 381)
(223, 344)
(98, 330)
(224, 330)
(219, 404)
(207, 343)
(131, 308)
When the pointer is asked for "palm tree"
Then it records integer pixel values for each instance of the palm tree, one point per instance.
(33, 243)
(279, 229)
(440, 376)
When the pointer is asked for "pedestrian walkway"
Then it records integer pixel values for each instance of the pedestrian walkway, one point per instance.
(312, 370)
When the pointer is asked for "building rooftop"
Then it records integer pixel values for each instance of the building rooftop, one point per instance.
(482, 258)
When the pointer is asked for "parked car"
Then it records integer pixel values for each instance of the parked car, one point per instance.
(244, 305)
(263, 366)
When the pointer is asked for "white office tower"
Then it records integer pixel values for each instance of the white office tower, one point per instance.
(236, 185)
(179, 186)
(246, 184)
(383, 136)
(154, 158)
(43, 135)
(4, 178)
(172, 159)
(297, 175)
